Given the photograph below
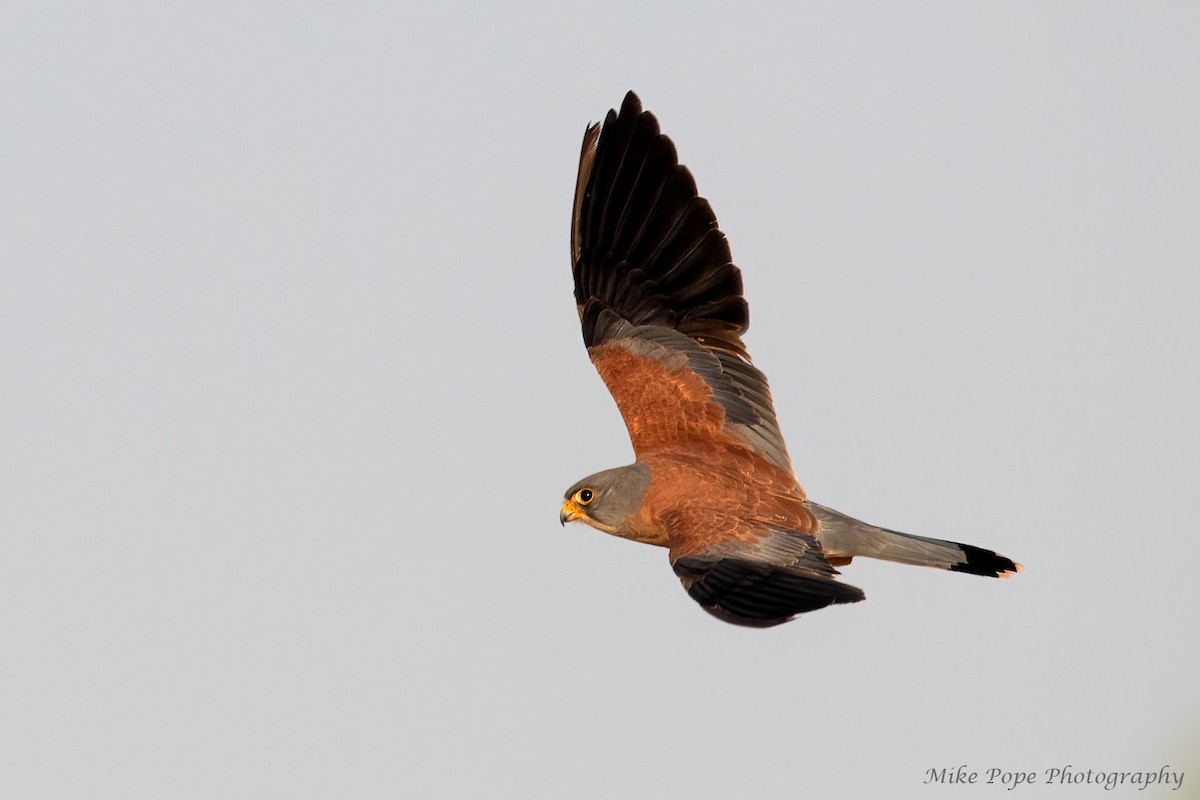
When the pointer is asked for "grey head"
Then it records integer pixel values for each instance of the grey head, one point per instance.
(607, 499)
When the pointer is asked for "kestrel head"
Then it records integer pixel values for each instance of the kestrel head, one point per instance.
(607, 499)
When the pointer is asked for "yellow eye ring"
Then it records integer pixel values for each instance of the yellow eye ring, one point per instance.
(584, 496)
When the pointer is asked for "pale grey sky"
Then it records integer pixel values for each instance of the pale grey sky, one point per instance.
(293, 384)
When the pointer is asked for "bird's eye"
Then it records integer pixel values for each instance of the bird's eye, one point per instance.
(584, 496)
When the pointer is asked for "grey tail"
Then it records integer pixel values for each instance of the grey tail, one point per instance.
(845, 537)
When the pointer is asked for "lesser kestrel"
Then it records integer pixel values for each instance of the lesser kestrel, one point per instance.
(663, 316)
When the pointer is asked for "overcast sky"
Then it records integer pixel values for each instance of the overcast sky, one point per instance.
(292, 384)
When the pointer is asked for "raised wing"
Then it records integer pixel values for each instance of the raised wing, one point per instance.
(659, 298)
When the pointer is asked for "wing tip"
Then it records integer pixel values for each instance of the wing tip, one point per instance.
(631, 104)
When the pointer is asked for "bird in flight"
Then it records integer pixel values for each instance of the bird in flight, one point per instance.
(662, 311)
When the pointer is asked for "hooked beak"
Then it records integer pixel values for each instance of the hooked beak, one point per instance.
(570, 512)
